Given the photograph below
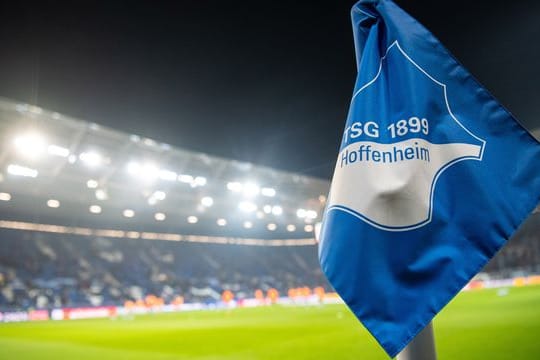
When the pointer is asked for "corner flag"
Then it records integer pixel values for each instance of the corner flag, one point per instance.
(433, 176)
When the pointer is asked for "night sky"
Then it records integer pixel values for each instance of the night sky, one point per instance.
(267, 82)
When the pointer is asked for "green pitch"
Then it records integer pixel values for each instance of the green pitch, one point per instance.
(476, 325)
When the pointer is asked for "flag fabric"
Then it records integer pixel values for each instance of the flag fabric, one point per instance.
(432, 177)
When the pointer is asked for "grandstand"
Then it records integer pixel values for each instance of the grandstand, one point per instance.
(94, 217)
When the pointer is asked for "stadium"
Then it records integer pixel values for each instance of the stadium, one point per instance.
(140, 219)
(191, 233)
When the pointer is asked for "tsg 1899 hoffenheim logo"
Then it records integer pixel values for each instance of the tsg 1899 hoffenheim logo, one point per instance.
(398, 141)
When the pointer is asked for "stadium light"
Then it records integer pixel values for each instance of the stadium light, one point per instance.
(271, 227)
(58, 150)
(95, 209)
(248, 224)
(267, 209)
(277, 210)
(135, 138)
(306, 214)
(149, 142)
(52, 203)
(30, 145)
(235, 186)
(101, 194)
(128, 213)
(92, 184)
(133, 168)
(260, 215)
(147, 172)
(167, 175)
(5, 196)
(192, 219)
(184, 178)
(247, 206)
(91, 159)
(251, 189)
(159, 195)
(308, 228)
(207, 201)
(269, 192)
(156, 196)
(199, 181)
(160, 216)
(19, 170)
(291, 228)
(221, 222)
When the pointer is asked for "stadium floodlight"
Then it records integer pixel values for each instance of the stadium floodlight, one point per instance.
(160, 216)
(221, 222)
(270, 192)
(192, 219)
(135, 138)
(133, 167)
(267, 209)
(277, 210)
(167, 175)
(91, 158)
(5, 196)
(101, 194)
(159, 195)
(207, 201)
(248, 224)
(95, 209)
(184, 178)
(251, 189)
(247, 206)
(199, 181)
(301, 213)
(30, 145)
(35, 109)
(58, 150)
(311, 214)
(92, 184)
(19, 170)
(147, 172)
(291, 228)
(308, 228)
(260, 215)
(52, 203)
(235, 186)
(128, 213)
(271, 227)
(149, 142)
(72, 159)
(156, 196)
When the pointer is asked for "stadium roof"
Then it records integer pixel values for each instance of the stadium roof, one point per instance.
(55, 169)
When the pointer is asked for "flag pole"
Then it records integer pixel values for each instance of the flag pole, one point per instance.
(422, 347)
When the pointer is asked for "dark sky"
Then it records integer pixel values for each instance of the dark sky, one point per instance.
(262, 81)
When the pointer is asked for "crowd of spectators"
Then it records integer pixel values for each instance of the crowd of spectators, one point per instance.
(44, 271)
(39, 270)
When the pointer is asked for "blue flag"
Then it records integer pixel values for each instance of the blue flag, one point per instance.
(432, 177)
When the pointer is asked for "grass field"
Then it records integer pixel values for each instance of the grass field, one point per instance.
(476, 325)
